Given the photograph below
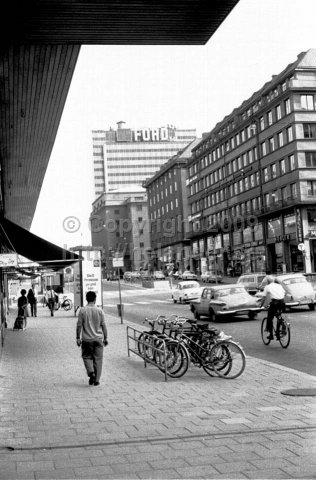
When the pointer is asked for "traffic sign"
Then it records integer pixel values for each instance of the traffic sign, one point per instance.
(118, 262)
(301, 247)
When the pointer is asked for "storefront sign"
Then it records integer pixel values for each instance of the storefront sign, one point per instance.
(299, 226)
(283, 238)
(8, 260)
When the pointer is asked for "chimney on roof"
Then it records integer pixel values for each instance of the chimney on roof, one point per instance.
(120, 124)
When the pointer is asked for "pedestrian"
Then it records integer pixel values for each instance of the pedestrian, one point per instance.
(32, 299)
(51, 299)
(22, 307)
(92, 336)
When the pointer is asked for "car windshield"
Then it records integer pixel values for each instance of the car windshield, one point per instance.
(229, 291)
(292, 281)
(188, 285)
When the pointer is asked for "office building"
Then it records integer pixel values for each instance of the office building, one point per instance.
(168, 213)
(120, 226)
(127, 156)
(252, 180)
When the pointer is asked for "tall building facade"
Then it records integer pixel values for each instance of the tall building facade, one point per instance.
(252, 180)
(127, 156)
(120, 226)
(168, 213)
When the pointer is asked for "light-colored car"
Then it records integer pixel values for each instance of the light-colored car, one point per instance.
(158, 275)
(311, 278)
(186, 291)
(211, 277)
(187, 275)
(251, 281)
(298, 290)
(127, 276)
(221, 301)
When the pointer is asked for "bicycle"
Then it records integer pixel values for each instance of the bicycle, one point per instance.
(66, 304)
(156, 346)
(205, 347)
(211, 349)
(282, 331)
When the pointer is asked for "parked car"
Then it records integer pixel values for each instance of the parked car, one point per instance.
(221, 301)
(251, 281)
(144, 275)
(158, 275)
(311, 278)
(298, 290)
(211, 277)
(186, 291)
(127, 276)
(187, 275)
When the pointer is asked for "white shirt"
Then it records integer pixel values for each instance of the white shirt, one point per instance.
(274, 291)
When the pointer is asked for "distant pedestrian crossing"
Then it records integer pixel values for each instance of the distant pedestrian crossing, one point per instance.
(128, 304)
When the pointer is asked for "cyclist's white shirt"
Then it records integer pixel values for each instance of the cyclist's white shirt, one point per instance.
(274, 291)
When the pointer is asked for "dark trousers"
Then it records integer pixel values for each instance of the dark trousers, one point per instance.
(92, 355)
(51, 306)
(33, 309)
(275, 305)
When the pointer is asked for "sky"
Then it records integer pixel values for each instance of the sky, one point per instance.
(151, 86)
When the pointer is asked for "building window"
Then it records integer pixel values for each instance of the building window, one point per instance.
(250, 156)
(275, 197)
(284, 193)
(278, 112)
(289, 133)
(271, 144)
(252, 181)
(261, 123)
(273, 171)
(293, 190)
(267, 199)
(310, 159)
(309, 130)
(280, 139)
(292, 162)
(307, 102)
(265, 175)
(282, 166)
(270, 118)
(263, 148)
(311, 187)
(287, 106)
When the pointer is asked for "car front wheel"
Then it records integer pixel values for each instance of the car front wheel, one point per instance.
(252, 315)
(311, 306)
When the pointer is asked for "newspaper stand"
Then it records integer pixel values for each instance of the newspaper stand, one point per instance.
(133, 344)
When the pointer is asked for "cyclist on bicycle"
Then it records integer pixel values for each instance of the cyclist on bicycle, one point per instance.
(273, 295)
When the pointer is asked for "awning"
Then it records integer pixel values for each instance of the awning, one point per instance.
(14, 238)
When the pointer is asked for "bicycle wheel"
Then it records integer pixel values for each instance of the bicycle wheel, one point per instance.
(284, 333)
(175, 356)
(145, 344)
(228, 359)
(264, 332)
(67, 304)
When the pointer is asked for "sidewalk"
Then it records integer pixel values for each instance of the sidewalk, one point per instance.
(137, 426)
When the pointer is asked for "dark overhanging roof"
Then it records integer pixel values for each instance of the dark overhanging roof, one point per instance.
(14, 238)
(100, 22)
(39, 49)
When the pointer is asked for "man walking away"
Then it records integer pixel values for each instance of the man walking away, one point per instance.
(273, 295)
(92, 336)
(51, 299)
(32, 299)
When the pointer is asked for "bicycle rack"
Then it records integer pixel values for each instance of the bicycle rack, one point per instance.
(133, 343)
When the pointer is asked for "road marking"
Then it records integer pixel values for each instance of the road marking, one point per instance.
(160, 301)
(143, 303)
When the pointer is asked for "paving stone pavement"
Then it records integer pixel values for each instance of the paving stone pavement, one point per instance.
(136, 425)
